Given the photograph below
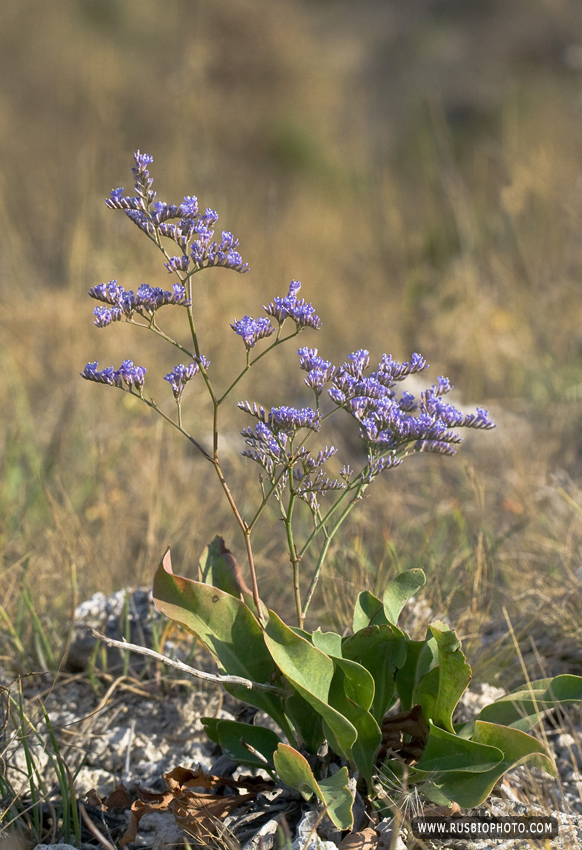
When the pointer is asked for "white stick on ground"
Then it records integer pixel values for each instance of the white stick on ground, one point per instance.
(198, 674)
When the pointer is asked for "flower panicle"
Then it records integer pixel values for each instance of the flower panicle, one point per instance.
(180, 375)
(296, 309)
(319, 371)
(193, 232)
(252, 330)
(284, 419)
(391, 425)
(127, 375)
(122, 303)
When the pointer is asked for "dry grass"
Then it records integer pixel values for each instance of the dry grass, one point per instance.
(411, 229)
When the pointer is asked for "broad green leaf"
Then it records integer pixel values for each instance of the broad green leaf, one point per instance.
(210, 724)
(334, 791)
(421, 657)
(399, 592)
(471, 789)
(310, 671)
(367, 610)
(219, 568)
(341, 697)
(439, 691)
(328, 642)
(382, 651)
(231, 735)
(306, 721)
(445, 751)
(522, 709)
(228, 629)
(358, 682)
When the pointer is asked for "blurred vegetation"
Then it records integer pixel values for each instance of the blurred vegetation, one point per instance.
(417, 166)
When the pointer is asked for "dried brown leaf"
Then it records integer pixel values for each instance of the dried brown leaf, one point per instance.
(367, 838)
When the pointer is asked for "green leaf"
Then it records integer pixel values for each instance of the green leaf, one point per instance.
(344, 696)
(228, 629)
(439, 691)
(231, 735)
(310, 671)
(367, 610)
(210, 727)
(522, 709)
(382, 651)
(218, 567)
(471, 789)
(334, 792)
(445, 751)
(421, 657)
(399, 592)
(306, 721)
(328, 642)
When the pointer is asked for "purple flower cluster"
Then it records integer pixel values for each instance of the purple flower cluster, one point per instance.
(310, 481)
(252, 330)
(286, 420)
(127, 375)
(319, 371)
(271, 447)
(386, 422)
(291, 307)
(193, 233)
(124, 303)
(180, 375)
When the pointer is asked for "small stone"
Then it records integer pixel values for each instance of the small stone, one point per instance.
(307, 837)
(55, 847)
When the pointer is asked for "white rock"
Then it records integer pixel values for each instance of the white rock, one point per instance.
(305, 829)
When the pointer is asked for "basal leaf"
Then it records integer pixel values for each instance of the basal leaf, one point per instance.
(306, 722)
(310, 671)
(334, 791)
(522, 709)
(227, 628)
(233, 736)
(382, 651)
(421, 657)
(471, 789)
(219, 568)
(328, 642)
(445, 751)
(399, 591)
(439, 691)
(367, 610)
(364, 749)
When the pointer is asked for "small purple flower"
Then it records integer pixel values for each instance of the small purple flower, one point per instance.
(390, 371)
(106, 315)
(180, 375)
(162, 212)
(291, 307)
(189, 206)
(132, 376)
(123, 302)
(309, 359)
(142, 160)
(291, 419)
(180, 264)
(252, 330)
(356, 363)
(284, 419)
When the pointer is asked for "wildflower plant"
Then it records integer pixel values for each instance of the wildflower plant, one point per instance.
(328, 694)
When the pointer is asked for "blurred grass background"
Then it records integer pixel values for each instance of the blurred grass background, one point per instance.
(418, 166)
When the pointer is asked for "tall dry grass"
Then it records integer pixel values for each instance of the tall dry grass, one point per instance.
(413, 225)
